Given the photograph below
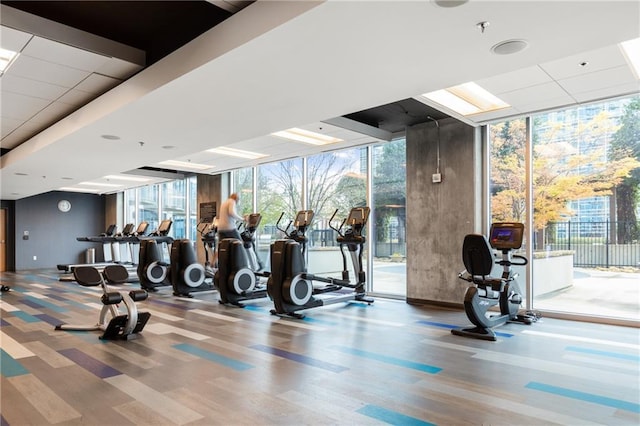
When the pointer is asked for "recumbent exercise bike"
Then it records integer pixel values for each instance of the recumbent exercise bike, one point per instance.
(122, 324)
(487, 291)
(291, 288)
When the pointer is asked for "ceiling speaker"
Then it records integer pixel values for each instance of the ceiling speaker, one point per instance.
(509, 46)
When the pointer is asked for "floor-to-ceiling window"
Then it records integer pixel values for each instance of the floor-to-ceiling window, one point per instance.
(148, 206)
(389, 218)
(585, 185)
(174, 205)
(243, 185)
(279, 192)
(336, 182)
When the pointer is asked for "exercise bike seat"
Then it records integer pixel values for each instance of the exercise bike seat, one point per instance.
(87, 276)
(116, 274)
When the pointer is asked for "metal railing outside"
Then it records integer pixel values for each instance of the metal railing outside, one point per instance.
(593, 243)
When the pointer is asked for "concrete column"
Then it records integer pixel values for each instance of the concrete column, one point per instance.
(439, 215)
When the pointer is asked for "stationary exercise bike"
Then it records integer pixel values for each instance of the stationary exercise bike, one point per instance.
(291, 287)
(487, 291)
(239, 266)
(116, 324)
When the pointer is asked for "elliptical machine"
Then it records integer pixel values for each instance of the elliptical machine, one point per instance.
(208, 231)
(187, 274)
(239, 266)
(487, 291)
(153, 270)
(290, 286)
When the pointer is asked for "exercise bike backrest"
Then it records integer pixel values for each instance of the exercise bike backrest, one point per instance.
(477, 253)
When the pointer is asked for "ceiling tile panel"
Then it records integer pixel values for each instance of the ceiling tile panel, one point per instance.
(596, 60)
(526, 77)
(21, 107)
(52, 113)
(13, 39)
(97, 84)
(9, 125)
(65, 55)
(37, 89)
(118, 68)
(39, 70)
(76, 97)
(20, 134)
(598, 80)
(535, 94)
(607, 92)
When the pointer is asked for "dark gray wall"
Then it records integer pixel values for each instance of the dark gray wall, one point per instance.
(439, 215)
(52, 233)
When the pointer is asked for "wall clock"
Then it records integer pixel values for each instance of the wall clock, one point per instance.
(64, 206)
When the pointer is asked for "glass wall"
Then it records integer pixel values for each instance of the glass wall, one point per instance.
(148, 207)
(585, 175)
(336, 182)
(174, 206)
(389, 197)
(192, 203)
(243, 185)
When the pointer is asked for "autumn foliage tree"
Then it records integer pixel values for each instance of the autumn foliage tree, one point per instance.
(569, 163)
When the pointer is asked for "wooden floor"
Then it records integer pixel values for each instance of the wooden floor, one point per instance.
(200, 363)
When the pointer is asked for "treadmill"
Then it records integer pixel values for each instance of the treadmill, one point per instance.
(111, 244)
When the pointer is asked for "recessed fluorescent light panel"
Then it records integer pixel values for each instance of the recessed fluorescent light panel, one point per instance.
(467, 99)
(631, 50)
(185, 165)
(127, 178)
(71, 189)
(6, 58)
(301, 135)
(233, 152)
(105, 185)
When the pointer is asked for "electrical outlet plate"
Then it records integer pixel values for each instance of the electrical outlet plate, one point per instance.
(436, 178)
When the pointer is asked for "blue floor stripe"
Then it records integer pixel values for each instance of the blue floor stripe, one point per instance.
(618, 355)
(92, 365)
(391, 417)
(9, 367)
(389, 360)
(33, 302)
(303, 359)
(49, 319)
(213, 357)
(25, 316)
(451, 326)
(583, 396)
